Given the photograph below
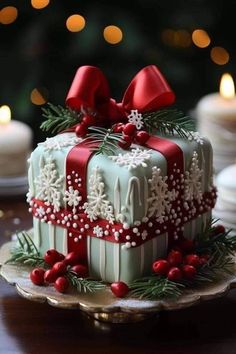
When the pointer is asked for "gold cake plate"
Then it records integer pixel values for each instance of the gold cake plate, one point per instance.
(103, 305)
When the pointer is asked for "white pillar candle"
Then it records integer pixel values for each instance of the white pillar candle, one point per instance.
(217, 120)
(15, 145)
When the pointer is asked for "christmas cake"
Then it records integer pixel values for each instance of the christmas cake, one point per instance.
(120, 182)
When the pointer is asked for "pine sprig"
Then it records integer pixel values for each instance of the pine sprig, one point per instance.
(155, 288)
(84, 284)
(102, 140)
(26, 252)
(169, 122)
(59, 118)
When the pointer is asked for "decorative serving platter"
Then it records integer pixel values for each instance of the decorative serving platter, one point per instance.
(102, 305)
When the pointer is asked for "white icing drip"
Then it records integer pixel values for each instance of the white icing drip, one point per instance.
(145, 197)
(37, 233)
(162, 244)
(142, 258)
(117, 200)
(130, 197)
(31, 180)
(116, 262)
(102, 261)
(51, 235)
(65, 242)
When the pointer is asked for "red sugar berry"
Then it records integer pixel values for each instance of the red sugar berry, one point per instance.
(189, 271)
(175, 258)
(129, 129)
(126, 142)
(52, 256)
(219, 229)
(142, 136)
(50, 276)
(81, 130)
(193, 260)
(61, 284)
(175, 274)
(37, 276)
(119, 289)
(89, 120)
(72, 258)
(161, 267)
(59, 268)
(80, 270)
(118, 128)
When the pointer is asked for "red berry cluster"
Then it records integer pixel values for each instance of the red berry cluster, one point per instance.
(130, 134)
(60, 265)
(178, 265)
(82, 129)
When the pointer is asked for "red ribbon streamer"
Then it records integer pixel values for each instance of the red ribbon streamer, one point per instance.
(148, 91)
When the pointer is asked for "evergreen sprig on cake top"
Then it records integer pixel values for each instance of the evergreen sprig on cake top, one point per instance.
(122, 194)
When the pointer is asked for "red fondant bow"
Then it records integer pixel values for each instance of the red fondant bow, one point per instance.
(148, 91)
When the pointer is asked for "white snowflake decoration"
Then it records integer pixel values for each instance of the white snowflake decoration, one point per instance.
(136, 118)
(97, 204)
(73, 198)
(160, 198)
(49, 184)
(98, 231)
(195, 136)
(40, 211)
(133, 159)
(57, 144)
(193, 180)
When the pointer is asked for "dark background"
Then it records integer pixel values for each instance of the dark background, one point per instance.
(37, 50)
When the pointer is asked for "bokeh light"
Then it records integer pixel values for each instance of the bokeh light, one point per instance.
(201, 38)
(75, 23)
(112, 34)
(219, 55)
(38, 96)
(180, 38)
(8, 15)
(39, 4)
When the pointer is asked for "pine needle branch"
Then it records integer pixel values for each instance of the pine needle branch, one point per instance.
(102, 140)
(84, 284)
(58, 118)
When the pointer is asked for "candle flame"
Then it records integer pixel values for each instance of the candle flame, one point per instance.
(5, 115)
(227, 86)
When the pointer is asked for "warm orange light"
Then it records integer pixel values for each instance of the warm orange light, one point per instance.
(219, 55)
(8, 15)
(39, 4)
(179, 38)
(5, 115)
(75, 23)
(38, 97)
(227, 86)
(201, 38)
(112, 34)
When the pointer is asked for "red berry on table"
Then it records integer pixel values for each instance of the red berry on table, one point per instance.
(193, 260)
(37, 276)
(118, 128)
(50, 276)
(61, 284)
(59, 268)
(219, 229)
(89, 120)
(161, 267)
(119, 289)
(52, 256)
(142, 136)
(189, 271)
(175, 258)
(175, 274)
(80, 270)
(81, 130)
(129, 129)
(72, 258)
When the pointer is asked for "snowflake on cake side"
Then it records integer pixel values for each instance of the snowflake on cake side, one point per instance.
(98, 231)
(193, 180)
(56, 144)
(72, 197)
(131, 160)
(159, 201)
(49, 183)
(97, 204)
(136, 118)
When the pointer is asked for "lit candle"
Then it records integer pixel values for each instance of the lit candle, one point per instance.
(217, 120)
(15, 145)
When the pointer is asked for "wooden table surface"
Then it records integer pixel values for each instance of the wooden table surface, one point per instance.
(33, 328)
